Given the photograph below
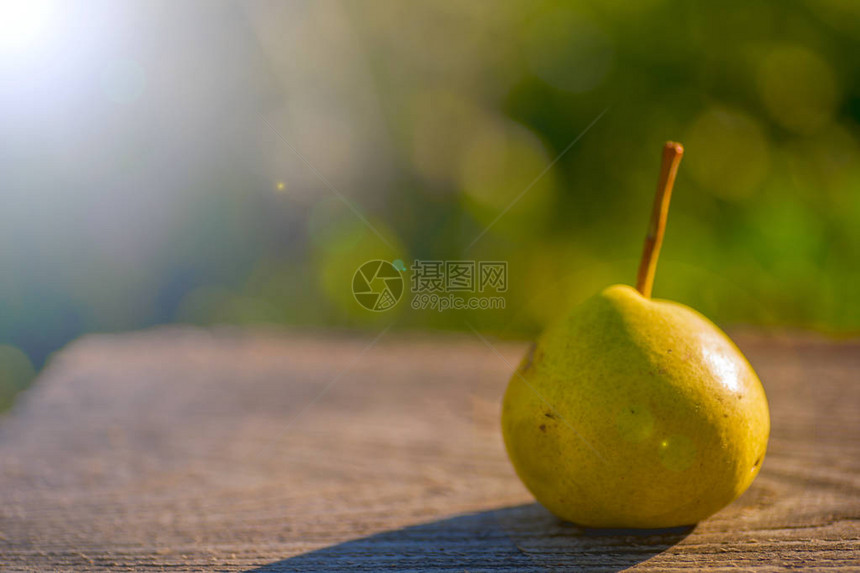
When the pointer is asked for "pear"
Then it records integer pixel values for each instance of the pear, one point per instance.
(636, 413)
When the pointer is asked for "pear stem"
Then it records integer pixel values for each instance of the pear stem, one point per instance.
(672, 153)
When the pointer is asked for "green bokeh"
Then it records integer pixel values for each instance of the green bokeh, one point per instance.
(422, 122)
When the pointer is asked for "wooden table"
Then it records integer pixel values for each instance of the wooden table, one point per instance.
(229, 450)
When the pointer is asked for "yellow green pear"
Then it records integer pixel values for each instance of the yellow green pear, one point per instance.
(633, 412)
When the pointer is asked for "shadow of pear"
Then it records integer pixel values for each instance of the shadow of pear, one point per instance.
(519, 538)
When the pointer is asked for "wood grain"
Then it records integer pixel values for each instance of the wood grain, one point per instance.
(185, 449)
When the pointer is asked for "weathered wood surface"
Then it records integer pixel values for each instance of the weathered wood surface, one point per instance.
(182, 449)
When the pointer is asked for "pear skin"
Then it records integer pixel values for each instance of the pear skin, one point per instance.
(635, 413)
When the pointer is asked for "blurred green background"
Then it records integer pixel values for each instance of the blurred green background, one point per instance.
(175, 162)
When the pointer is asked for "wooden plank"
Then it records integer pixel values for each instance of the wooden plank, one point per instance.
(228, 450)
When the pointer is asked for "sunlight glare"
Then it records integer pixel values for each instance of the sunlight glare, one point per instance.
(25, 25)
